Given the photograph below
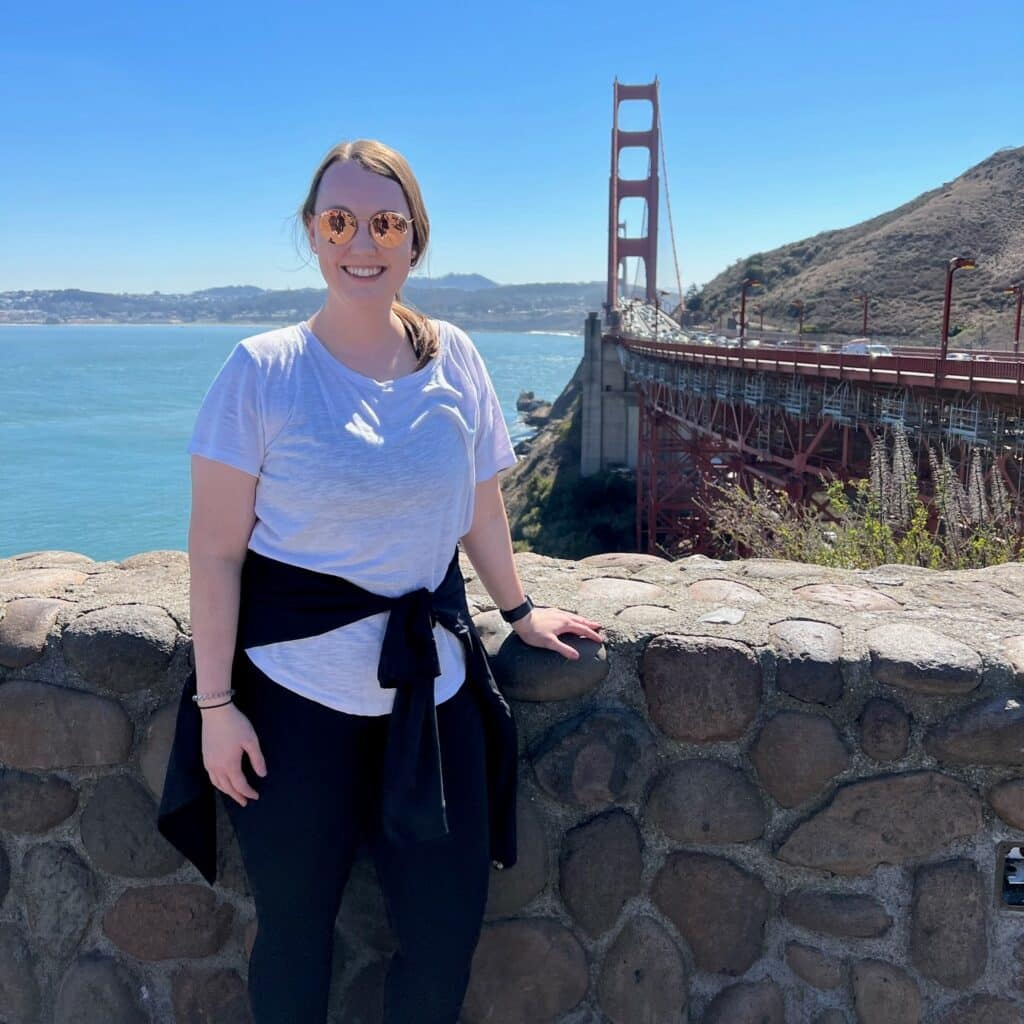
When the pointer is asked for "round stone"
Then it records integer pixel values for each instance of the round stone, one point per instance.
(98, 990)
(724, 592)
(53, 583)
(60, 894)
(648, 615)
(629, 560)
(643, 976)
(20, 995)
(31, 804)
(846, 915)
(167, 922)
(884, 730)
(125, 648)
(210, 995)
(890, 819)
(525, 672)
(990, 732)
(118, 833)
(512, 888)
(808, 660)
(155, 747)
(595, 759)
(797, 754)
(700, 689)
(843, 595)
(363, 913)
(747, 1002)
(948, 934)
(45, 727)
(921, 660)
(1013, 650)
(527, 971)
(24, 628)
(599, 869)
(614, 593)
(885, 994)
(718, 908)
(1007, 800)
(697, 801)
(814, 966)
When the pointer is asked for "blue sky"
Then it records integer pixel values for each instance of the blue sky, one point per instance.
(166, 147)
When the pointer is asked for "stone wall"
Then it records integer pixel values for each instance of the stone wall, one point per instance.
(778, 793)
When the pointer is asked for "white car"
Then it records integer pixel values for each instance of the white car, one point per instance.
(865, 347)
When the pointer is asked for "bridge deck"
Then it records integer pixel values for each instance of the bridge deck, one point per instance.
(995, 376)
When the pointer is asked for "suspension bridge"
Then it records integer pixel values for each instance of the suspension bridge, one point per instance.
(687, 414)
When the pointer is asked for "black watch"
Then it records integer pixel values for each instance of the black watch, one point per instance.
(514, 614)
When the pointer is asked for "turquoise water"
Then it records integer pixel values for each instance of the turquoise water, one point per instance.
(94, 420)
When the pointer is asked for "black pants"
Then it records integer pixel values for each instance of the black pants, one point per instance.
(320, 797)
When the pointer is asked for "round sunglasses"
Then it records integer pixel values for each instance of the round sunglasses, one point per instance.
(387, 227)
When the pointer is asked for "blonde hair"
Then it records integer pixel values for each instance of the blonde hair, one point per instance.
(379, 158)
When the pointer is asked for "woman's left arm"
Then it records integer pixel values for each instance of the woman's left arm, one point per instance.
(489, 547)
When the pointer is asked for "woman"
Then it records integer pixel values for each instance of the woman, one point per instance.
(336, 464)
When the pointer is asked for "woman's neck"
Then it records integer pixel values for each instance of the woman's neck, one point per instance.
(355, 329)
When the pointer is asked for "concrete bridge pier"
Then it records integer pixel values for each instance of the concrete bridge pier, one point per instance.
(608, 405)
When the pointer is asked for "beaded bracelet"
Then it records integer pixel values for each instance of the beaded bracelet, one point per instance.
(197, 697)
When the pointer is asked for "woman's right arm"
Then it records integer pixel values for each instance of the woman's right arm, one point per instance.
(221, 522)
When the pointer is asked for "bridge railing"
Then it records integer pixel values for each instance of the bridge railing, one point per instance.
(1002, 376)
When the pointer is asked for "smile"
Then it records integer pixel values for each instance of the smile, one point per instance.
(363, 271)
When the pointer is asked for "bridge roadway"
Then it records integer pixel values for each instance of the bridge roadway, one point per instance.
(993, 376)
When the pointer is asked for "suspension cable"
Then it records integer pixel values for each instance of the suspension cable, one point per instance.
(668, 206)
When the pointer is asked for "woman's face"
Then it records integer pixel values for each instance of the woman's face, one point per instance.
(347, 183)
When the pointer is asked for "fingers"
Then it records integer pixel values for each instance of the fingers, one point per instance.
(232, 780)
(256, 758)
(226, 784)
(570, 652)
(241, 784)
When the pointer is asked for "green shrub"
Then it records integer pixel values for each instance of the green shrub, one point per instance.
(877, 520)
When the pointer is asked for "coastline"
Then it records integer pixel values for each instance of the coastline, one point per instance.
(243, 323)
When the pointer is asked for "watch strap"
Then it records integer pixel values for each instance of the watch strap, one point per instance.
(514, 614)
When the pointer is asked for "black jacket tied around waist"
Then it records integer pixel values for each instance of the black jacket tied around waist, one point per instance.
(279, 601)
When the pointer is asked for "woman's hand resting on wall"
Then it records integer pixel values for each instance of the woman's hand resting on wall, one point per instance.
(542, 627)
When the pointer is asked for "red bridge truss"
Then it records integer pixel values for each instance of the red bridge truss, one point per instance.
(789, 418)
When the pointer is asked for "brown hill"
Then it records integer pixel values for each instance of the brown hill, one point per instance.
(899, 259)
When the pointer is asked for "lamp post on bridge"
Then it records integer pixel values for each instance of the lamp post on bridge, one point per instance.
(799, 305)
(1018, 290)
(658, 293)
(955, 264)
(748, 282)
(863, 296)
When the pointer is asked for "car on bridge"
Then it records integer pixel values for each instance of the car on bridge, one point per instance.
(865, 347)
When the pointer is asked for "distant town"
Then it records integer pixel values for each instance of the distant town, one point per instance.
(472, 301)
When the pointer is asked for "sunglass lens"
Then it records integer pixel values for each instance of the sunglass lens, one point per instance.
(338, 225)
(389, 228)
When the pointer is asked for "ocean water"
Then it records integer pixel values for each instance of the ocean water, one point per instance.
(94, 420)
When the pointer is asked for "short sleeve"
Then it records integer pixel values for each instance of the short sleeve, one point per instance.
(229, 425)
(493, 449)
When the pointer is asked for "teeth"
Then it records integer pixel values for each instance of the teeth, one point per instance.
(363, 271)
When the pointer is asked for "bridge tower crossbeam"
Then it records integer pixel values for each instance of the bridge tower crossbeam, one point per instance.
(643, 247)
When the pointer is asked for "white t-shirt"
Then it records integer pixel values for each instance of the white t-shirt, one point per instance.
(366, 479)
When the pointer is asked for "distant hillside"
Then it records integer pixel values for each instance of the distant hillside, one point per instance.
(899, 259)
(472, 301)
(465, 282)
